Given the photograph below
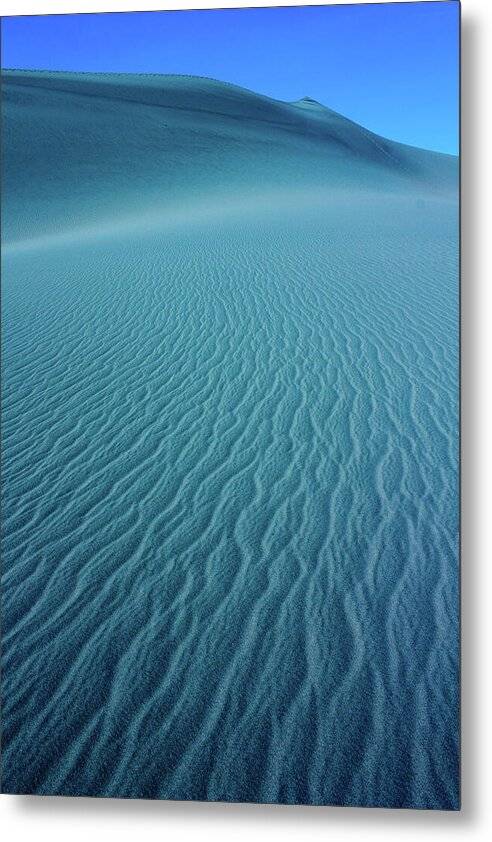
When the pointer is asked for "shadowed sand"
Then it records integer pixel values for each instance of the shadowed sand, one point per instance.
(230, 448)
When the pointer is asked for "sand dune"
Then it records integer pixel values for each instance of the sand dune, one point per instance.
(230, 448)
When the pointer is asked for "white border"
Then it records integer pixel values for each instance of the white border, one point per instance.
(36, 7)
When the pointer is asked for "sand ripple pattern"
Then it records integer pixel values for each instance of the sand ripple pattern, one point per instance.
(230, 493)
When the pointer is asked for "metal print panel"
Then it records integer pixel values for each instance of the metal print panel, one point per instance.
(230, 250)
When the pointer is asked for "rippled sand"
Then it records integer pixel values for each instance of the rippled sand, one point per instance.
(230, 449)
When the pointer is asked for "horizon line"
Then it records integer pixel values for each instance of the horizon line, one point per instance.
(233, 85)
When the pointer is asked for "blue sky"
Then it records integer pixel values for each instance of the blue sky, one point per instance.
(391, 67)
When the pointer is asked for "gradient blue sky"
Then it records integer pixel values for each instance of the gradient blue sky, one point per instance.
(391, 67)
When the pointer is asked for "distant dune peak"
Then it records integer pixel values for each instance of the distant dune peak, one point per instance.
(185, 138)
(310, 101)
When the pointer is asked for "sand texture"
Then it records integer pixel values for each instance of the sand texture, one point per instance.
(230, 448)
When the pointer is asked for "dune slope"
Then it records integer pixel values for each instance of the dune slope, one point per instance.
(229, 448)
